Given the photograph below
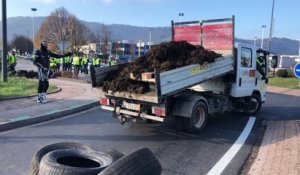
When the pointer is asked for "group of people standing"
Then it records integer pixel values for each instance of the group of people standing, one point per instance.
(77, 63)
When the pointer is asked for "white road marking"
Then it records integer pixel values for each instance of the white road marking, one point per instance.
(228, 156)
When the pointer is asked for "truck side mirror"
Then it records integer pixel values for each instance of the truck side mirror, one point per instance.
(274, 61)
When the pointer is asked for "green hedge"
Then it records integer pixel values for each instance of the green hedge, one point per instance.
(284, 73)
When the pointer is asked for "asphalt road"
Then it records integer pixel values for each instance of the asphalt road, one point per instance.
(281, 107)
(25, 64)
(178, 152)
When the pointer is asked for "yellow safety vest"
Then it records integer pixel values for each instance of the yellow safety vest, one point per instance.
(96, 61)
(52, 63)
(68, 60)
(112, 62)
(11, 59)
(85, 60)
(76, 61)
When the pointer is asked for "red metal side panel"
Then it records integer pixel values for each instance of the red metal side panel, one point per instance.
(191, 34)
(217, 36)
(214, 36)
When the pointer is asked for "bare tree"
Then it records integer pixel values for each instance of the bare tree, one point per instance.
(22, 44)
(104, 38)
(80, 34)
(60, 28)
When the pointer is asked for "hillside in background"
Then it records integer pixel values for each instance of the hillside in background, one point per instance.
(23, 26)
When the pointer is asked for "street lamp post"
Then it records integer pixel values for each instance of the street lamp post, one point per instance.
(262, 35)
(254, 42)
(180, 16)
(33, 33)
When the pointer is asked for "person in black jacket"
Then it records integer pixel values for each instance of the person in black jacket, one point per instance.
(42, 61)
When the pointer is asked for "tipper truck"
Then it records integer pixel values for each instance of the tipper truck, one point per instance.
(192, 93)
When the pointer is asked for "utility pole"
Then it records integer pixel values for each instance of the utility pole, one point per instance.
(271, 26)
(4, 42)
(33, 33)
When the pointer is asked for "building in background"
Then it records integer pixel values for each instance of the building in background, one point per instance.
(123, 51)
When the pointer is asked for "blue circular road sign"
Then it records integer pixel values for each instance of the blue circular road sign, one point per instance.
(297, 70)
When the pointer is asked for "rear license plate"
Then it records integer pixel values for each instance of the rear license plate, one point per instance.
(132, 106)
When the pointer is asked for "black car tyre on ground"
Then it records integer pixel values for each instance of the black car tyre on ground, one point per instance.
(22, 73)
(73, 162)
(196, 123)
(138, 162)
(115, 154)
(35, 161)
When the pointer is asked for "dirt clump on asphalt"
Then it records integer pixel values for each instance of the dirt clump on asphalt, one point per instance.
(164, 57)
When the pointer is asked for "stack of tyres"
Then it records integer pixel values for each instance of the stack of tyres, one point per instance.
(70, 158)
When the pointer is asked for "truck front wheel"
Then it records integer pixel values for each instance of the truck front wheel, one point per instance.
(253, 105)
(197, 121)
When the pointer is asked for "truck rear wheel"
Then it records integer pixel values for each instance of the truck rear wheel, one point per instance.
(198, 119)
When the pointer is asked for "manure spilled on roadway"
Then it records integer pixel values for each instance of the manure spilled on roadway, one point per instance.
(164, 56)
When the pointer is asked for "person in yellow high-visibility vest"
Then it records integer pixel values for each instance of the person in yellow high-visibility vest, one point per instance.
(53, 64)
(112, 62)
(96, 61)
(12, 61)
(53, 67)
(69, 61)
(77, 64)
(58, 63)
(85, 62)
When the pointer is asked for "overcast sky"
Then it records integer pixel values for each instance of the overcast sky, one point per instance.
(250, 14)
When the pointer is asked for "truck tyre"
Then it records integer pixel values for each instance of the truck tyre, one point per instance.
(254, 105)
(138, 162)
(73, 162)
(35, 161)
(115, 154)
(198, 119)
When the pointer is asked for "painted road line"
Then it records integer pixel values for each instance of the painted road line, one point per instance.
(228, 156)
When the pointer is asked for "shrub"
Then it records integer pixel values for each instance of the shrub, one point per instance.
(291, 73)
(282, 73)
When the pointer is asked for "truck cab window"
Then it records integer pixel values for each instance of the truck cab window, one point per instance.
(246, 59)
(261, 64)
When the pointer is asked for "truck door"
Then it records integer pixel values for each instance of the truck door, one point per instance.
(245, 79)
(261, 72)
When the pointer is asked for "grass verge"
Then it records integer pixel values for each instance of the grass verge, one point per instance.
(292, 83)
(20, 87)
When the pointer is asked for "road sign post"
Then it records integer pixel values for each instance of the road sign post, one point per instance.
(297, 72)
